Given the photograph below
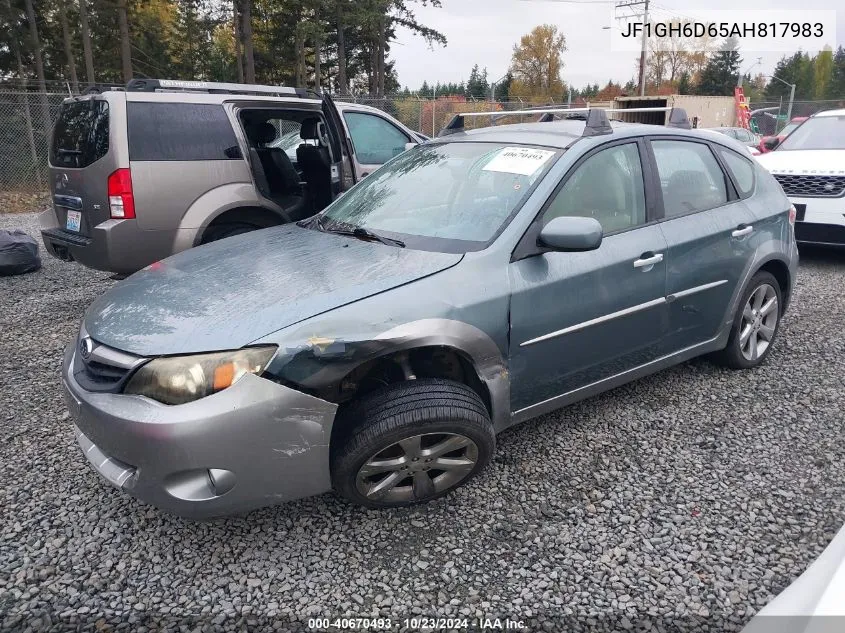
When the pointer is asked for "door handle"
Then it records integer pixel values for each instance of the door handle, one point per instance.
(648, 262)
(742, 231)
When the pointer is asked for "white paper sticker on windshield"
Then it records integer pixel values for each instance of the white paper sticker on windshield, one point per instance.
(519, 160)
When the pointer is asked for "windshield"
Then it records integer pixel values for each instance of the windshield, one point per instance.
(825, 132)
(449, 197)
(788, 129)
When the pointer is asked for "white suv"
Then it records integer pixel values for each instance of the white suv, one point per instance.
(810, 166)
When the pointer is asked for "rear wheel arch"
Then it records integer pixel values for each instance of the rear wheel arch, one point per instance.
(780, 271)
(258, 217)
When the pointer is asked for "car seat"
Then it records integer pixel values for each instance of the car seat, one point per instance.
(315, 162)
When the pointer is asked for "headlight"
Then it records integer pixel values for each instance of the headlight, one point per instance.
(180, 379)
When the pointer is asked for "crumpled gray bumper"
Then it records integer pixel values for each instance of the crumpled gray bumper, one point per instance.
(254, 444)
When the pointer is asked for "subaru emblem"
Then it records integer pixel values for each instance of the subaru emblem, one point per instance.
(86, 346)
(61, 181)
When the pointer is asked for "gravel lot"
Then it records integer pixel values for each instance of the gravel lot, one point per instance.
(686, 501)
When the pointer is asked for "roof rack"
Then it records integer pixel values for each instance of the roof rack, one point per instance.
(596, 118)
(213, 87)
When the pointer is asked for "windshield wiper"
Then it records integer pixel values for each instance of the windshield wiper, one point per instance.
(362, 234)
(338, 228)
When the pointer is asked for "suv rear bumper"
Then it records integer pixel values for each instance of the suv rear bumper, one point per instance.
(254, 444)
(118, 246)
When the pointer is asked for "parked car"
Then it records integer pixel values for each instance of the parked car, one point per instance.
(769, 143)
(746, 137)
(810, 166)
(142, 173)
(474, 282)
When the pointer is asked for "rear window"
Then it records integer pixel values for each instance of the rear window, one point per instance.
(742, 170)
(180, 131)
(81, 133)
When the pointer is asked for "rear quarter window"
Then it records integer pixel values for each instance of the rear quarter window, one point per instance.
(742, 171)
(180, 131)
(81, 133)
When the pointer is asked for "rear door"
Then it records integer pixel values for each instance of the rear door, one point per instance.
(709, 231)
(81, 158)
(343, 172)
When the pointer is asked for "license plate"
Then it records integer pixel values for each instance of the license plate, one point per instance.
(74, 220)
(800, 210)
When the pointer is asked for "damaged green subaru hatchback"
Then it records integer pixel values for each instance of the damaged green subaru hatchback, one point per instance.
(472, 283)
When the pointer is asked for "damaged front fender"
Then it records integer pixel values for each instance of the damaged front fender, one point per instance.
(317, 360)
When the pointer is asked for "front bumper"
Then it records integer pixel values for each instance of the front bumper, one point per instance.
(822, 221)
(254, 444)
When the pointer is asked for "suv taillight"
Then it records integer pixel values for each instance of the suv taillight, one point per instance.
(793, 213)
(121, 200)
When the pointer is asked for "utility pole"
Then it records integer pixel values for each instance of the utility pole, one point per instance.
(624, 4)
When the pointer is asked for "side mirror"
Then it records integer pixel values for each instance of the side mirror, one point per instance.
(571, 234)
(410, 145)
(771, 142)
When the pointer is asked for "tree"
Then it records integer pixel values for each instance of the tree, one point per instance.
(822, 73)
(249, 48)
(536, 64)
(720, 75)
(71, 63)
(477, 86)
(125, 46)
(836, 87)
(86, 41)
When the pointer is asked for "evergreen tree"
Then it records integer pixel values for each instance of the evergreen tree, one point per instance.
(721, 72)
(477, 86)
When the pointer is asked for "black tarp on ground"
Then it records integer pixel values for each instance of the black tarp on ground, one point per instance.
(18, 253)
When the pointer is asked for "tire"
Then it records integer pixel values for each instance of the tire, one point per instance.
(427, 416)
(738, 353)
(222, 231)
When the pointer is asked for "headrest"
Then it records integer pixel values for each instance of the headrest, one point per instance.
(309, 129)
(263, 133)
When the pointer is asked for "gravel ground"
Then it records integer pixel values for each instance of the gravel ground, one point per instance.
(686, 500)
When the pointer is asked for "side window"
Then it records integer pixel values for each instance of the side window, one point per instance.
(608, 186)
(742, 170)
(179, 131)
(376, 141)
(690, 177)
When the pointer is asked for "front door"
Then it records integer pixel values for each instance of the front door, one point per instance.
(709, 234)
(376, 140)
(580, 317)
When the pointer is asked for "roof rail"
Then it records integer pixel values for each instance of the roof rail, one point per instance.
(213, 87)
(596, 118)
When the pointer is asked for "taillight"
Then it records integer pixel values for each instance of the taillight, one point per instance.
(121, 200)
(793, 213)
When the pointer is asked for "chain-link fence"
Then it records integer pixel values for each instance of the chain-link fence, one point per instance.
(771, 116)
(26, 118)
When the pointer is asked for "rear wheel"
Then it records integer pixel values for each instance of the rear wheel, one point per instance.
(222, 231)
(411, 442)
(755, 325)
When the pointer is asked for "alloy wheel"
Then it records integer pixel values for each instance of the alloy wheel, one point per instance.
(759, 321)
(417, 468)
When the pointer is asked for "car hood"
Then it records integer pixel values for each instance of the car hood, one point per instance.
(800, 161)
(227, 294)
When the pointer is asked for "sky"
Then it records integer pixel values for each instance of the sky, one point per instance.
(484, 32)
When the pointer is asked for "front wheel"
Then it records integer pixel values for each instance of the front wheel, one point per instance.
(755, 324)
(410, 443)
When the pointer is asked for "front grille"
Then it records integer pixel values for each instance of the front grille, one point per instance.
(103, 374)
(812, 186)
(98, 367)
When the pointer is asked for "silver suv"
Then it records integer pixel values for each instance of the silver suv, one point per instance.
(142, 173)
